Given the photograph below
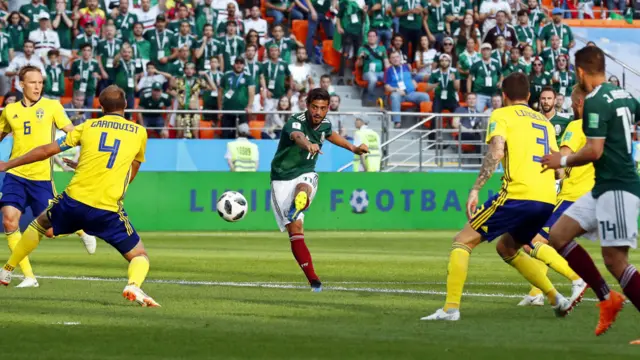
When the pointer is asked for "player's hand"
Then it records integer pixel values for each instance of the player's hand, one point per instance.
(551, 161)
(472, 203)
(314, 149)
(3, 166)
(70, 163)
(362, 149)
(248, 110)
(314, 16)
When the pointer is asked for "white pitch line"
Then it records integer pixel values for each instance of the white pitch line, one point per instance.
(284, 286)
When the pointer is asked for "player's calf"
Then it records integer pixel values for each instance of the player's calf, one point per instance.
(302, 255)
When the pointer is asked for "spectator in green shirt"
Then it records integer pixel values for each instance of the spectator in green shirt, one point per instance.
(318, 10)
(141, 46)
(15, 30)
(107, 51)
(231, 46)
(210, 95)
(206, 48)
(350, 24)
(31, 12)
(435, 22)
(468, 29)
(54, 82)
(161, 39)
(62, 23)
(563, 78)
(550, 54)
(155, 100)
(127, 73)
(514, 64)
(410, 14)
(538, 80)
(286, 44)
(556, 27)
(485, 77)
(527, 58)
(276, 79)
(6, 55)
(525, 34)
(279, 9)
(446, 82)
(183, 16)
(381, 19)
(124, 20)
(372, 57)
(235, 93)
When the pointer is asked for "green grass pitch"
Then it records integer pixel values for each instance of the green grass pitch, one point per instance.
(241, 295)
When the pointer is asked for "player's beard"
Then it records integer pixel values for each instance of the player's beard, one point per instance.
(546, 109)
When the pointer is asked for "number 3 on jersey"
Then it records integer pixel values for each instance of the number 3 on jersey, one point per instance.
(544, 141)
(113, 149)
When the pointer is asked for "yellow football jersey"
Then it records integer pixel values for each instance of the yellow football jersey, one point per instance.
(109, 145)
(33, 126)
(578, 180)
(529, 136)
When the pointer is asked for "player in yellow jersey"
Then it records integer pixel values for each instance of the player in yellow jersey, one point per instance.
(576, 182)
(112, 149)
(32, 122)
(519, 137)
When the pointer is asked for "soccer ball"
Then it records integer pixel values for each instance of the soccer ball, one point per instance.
(359, 201)
(232, 206)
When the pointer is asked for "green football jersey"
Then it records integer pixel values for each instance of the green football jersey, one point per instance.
(205, 16)
(286, 45)
(54, 83)
(446, 90)
(124, 25)
(63, 31)
(275, 75)
(5, 45)
(16, 32)
(381, 18)
(411, 21)
(82, 39)
(567, 79)
(537, 83)
(510, 68)
(290, 160)
(107, 50)
(549, 57)
(466, 61)
(235, 88)
(230, 48)
(611, 113)
(560, 122)
(526, 34)
(351, 17)
(373, 58)
(437, 18)
(563, 31)
(86, 70)
(125, 75)
(34, 12)
(485, 77)
(254, 69)
(457, 8)
(211, 49)
(148, 102)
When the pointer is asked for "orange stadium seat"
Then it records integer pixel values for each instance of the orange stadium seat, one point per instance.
(65, 100)
(206, 130)
(68, 87)
(299, 29)
(330, 55)
(255, 128)
(426, 107)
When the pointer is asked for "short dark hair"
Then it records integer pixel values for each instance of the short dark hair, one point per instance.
(516, 86)
(548, 88)
(86, 45)
(27, 69)
(113, 99)
(503, 12)
(53, 52)
(28, 42)
(318, 94)
(471, 93)
(325, 76)
(277, 26)
(590, 59)
(372, 31)
(523, 13)
(206, 26)
(248, 46)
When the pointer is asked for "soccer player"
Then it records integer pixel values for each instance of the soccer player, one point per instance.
(32, 122)
(110, 156)
(575, 183)
(548, 109)
(293, 178)
(610, 210)
(519, 137)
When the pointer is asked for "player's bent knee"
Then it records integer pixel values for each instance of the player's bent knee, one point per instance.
(506, 247)
(563, 232)
(304, 187)
(468, 237)
(295, 227)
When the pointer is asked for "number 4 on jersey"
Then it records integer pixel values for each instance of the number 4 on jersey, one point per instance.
(110, 149)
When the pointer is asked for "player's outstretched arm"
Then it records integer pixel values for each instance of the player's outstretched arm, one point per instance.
(40, 153)
(301, 140)
(591, 152)
(338, 140)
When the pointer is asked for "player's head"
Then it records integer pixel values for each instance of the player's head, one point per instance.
(318, 105)
(31, 81)
(577, 101)
(547, 99)
(113, 100)
(515, 88)
(590, 65)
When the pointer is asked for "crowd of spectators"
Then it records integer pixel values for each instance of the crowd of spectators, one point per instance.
(226, 55)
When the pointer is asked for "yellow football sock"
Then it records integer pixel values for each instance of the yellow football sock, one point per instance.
(457, 275)
(14, 238)
(550, 256)
(544, 269)
(138, 269)
(531, 271)
(28, 243)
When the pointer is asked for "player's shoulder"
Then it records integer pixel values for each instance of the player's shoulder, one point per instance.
(50, 103)
(300, 117)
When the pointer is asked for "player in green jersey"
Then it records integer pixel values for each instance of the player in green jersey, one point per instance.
(548, 109)
(610, 210)
(293, 178)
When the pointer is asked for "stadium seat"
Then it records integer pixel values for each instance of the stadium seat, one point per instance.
(65, 100)
(255, 128)
(330, 55)
(299, 29)
(68, 87)
(263, 10)
(426, 107)
(360, 81)
(96, 105)
(206, 130)
(422, 87)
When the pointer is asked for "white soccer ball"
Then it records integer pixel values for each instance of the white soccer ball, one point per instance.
(359, 201)
(232, 206)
